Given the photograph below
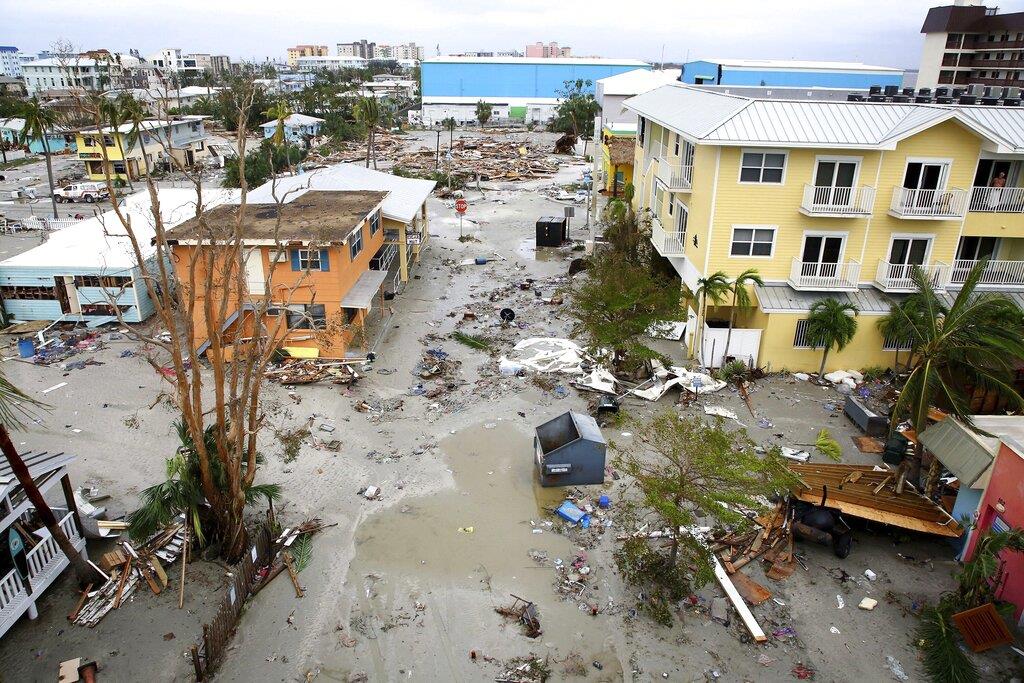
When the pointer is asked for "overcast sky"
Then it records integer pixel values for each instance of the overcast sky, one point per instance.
(885, 32)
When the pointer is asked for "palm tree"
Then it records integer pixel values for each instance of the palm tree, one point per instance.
(280, 111)
(39, 121)
(182, 492)
(970, 343)
(900, 327)
(367, 112)
(117, 112)
(740, 298)
(15, 404)
(831, 323)
(714, 287)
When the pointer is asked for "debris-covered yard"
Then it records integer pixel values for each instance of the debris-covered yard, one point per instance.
(441, 556)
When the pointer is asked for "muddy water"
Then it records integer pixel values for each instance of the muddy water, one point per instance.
(416, 573)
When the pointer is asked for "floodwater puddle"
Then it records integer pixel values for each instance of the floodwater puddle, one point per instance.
(429, 572)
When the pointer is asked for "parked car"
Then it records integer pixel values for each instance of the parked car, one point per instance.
(81, 192)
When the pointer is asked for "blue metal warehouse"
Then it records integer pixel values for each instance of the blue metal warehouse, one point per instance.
(792, 73)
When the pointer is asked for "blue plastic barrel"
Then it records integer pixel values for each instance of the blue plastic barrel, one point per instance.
(26, 348)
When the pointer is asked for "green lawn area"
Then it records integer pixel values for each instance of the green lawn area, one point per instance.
(17, 162)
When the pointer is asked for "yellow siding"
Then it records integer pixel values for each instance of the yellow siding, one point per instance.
(777, 352)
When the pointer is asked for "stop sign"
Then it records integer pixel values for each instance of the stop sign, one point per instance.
(461, 205)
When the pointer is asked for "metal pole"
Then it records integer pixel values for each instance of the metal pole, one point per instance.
(460, 225)
(437, 151)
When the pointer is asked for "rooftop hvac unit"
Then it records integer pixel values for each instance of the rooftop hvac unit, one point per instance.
(900, 98)
(909, 92)
(875, 90)
(854, 97)
(957, 92)
(968, 99)
(990, 101)
(1012, 93)
(1008, 102)
(891, 90)
(975, 90)
(941, 91)
(993, 92)
(923, 99)
(944, 100)
(926, 92)
(876, 98)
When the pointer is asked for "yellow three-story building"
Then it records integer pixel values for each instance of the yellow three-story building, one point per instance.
(827, 199)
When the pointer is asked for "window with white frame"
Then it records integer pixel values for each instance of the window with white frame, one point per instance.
(355, 243)
(659, 200)
(752, 240)
(762, 167)
(375, 222)
(309, 259)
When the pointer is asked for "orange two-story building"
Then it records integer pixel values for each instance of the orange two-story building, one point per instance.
(307, 270)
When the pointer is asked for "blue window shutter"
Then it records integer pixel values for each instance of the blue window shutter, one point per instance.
(325, 260)
(295, 259)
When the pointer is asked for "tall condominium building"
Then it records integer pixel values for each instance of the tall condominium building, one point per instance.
(360, 48)
(173, 60)
(546, 51)
(968, 43)
(305, 51)
(10, 62)
(400, 51)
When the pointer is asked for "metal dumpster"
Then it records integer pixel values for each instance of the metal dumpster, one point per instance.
(570, 451)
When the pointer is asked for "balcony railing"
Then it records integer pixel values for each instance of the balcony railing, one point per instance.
(812, 275)
(667, 244)
(934, 204)
(995, 274)
(899, 277)
(12, 590)
(827, 200)
(675, 174)
(997, 199)
(47, 559)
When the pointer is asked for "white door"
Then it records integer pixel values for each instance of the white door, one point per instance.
(255, 278)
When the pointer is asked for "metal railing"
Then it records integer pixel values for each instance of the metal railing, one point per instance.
(996, 273)
(818, 275)
(675, 174)
(899, 277)
(997, 199)
(829, 200)
(910, 203)
(667, 244)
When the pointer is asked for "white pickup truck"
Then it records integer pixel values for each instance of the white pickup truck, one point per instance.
(81, 192)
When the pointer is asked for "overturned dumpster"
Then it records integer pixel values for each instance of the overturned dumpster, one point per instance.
(570, 451)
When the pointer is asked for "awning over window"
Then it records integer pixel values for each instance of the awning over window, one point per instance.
(365, 288)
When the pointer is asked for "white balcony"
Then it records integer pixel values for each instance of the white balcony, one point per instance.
(675, 174)
(667, 244)
(928, 204)
(837, 202)
(997, 200)
(899, 277)
(996, 275)
(816, 276)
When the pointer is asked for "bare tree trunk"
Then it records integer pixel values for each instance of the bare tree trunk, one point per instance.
(732, 321)
(49, 174)
(84, 572)
(824, 357)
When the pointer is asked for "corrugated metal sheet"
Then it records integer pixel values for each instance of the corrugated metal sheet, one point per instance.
(781, 298)
(717, 117)
(964, 452)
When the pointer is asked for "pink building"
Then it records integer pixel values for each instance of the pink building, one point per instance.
(1002, 508)
(547, 51)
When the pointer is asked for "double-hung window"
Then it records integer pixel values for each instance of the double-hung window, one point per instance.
(375, 222)
(763, 167)
(309, 259)
(355, 243)
(751, 240)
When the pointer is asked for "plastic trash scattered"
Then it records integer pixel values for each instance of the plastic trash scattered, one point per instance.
(871, 576)
(466, 529)
(840, 601)
(604, 502)
(896, 668)
(569, 512)
(720, 412)
(834, 630)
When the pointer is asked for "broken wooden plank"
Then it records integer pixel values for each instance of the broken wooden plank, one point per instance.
(81, 602)
(291, 573)
(751, 591)
(737, 602)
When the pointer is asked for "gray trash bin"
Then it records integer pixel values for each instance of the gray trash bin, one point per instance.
(570, 451)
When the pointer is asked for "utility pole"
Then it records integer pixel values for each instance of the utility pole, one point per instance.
(437, 151)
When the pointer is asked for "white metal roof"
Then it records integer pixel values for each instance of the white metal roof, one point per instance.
(800, 65)
(13, 123)
(536, 60)
(636, 81)
(102, 242)
(294, 120)
(722, 119)
(405, 195)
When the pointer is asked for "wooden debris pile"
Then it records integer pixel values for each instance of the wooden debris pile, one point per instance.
(385, 148)
(525, 612)
(128, 566)
(310, 370)
(488, 157)
(282, 559)
(773, 542)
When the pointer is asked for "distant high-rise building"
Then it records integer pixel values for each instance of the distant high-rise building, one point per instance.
(967, 43)
(305, 51)
(173, 61)
(10, 62)
(396, 52)
(361, 48)
(547, 51)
